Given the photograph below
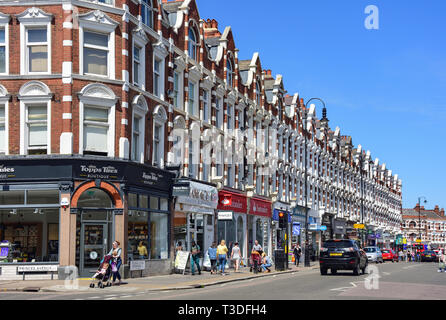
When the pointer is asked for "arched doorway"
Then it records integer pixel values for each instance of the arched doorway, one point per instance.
(96, 206)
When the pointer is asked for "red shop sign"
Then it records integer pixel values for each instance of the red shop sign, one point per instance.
(232, 202)
(260, 207)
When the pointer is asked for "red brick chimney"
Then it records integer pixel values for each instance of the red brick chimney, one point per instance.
(437, 210)
(442, 212)
(417, 206)
(211, 28)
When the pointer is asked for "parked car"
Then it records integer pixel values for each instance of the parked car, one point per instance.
(429, 255)
(342, 255)
(374, 254)
(389, 255)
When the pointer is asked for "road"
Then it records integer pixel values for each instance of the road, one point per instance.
(402, 280)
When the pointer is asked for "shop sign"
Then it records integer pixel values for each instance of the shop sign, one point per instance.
(323, 228)
(136, 265)
(194, 193)
(313, 227)
(296, 228)
(358, 226)
(236, 203)
(37, 268)
(92, 171)
(225, 215)
(260, 208)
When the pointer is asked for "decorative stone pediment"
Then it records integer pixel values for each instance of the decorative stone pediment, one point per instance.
(159, 114)
(160, 50)
(140, 103)
(34, 89)
(99, 94)
(98, 20)
(34, 14)
(140, 35)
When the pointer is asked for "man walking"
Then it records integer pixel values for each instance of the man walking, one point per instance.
(297, 253)
(195, 254)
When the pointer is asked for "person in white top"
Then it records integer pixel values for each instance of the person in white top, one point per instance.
(441, 261)
(236, 256)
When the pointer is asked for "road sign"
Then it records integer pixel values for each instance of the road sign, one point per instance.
(358, 226)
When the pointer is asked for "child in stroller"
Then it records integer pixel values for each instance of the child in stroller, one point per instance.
(103, 275)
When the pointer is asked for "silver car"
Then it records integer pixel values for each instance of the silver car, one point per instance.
(374, 254)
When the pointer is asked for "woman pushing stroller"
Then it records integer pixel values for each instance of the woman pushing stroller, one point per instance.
(115, 252)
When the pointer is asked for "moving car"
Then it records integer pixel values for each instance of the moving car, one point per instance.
(429, 255)
(374, 254)
(342, 255)
(389, 255)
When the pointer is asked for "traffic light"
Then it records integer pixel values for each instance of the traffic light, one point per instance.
(283, 220)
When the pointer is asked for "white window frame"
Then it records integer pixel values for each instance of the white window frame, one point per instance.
(4, 24)
(4, 101)
(24, 55)
(159, 120)
(229, 73)
(230, 112)
(159, 54)
(139, 110)
(219, 113)
(147, 7)
(32, 93)
(98, 22)
(105, 99)
(206, 106)
(192, 46)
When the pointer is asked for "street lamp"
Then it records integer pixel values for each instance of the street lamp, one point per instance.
(307, 249)
(419, 215)
(361, 158)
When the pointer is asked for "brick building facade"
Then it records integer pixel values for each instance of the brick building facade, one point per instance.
(101, 97)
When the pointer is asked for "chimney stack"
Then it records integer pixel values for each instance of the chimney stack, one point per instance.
(437, 210)
(442, 212)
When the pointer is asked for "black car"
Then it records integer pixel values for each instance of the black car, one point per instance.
(428, 255)
(342, 255)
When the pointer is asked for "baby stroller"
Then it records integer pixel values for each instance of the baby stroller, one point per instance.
(255, 262)
(103, 275)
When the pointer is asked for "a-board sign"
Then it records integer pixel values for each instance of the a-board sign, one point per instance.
(181, 260)
(137, 265)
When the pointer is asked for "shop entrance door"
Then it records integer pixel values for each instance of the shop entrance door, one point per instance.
(93, 247)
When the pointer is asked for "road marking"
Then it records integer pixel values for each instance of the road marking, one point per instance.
(110, 298)
(129, 296)
(223, 285)
(386, 273)
(95, 298)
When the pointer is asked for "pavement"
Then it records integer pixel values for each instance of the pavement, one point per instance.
(152, 283)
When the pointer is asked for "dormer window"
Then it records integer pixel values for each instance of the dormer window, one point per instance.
(147, 13)
(193, 44)
(229, 73)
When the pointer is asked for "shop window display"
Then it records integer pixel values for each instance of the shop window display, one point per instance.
(32, 234)
(137, 232)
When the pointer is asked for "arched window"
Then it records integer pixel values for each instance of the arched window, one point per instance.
(193, 44)
(147, 13)
(94, 198)
(229, 72)
(258, 97)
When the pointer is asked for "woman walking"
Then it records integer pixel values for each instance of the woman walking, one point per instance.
(212, 252)
(236, 256)
(115, 252)
(222, 251)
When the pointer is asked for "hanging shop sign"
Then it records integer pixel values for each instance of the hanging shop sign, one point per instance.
(225, 215)
(194, 193)
(296, 228)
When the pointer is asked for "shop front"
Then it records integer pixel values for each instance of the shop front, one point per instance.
(194, 213)
(232, 219)
(67, 211)
(259, 222)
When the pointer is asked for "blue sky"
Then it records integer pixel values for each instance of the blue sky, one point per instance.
(386, 88)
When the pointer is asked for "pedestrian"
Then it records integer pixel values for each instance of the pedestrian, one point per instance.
(255, 255)
(179, 246)
(412, 258)
(236, 256)
(142, 250)
(297, 253)
(222, 252)
(441, 262)
(409, 256)
(115, 252)
(195, 251)
(400, 255)
(212, 252)
(266, 263)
